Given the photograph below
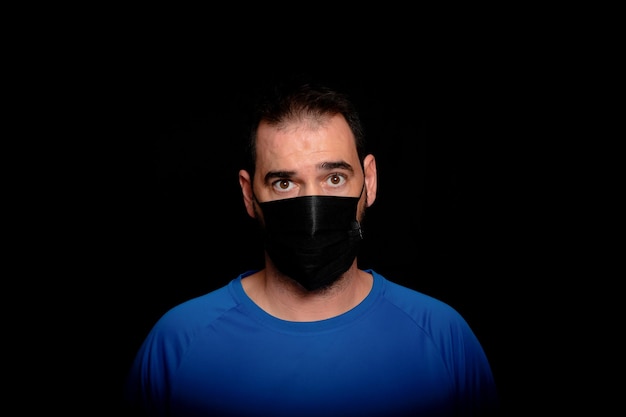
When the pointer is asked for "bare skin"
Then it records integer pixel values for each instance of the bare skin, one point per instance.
(304, 158)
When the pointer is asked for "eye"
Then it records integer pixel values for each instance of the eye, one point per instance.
(282, 185)
(335, 180)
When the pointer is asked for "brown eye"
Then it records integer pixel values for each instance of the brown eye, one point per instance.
(283, 185)
(336, 180)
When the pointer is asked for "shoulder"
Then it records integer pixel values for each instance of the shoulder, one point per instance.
(443, 324)
(409, 299)
(199, 311)
(428, 312)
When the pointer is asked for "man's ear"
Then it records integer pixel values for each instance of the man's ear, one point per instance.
(371, 179)
(245, 182)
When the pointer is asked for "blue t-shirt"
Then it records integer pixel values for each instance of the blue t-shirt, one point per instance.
(398, 353)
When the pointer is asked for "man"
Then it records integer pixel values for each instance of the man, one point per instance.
(311, 334)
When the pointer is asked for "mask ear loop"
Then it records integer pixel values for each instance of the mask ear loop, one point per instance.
(363, 187)
(356, 224)
(255, 202)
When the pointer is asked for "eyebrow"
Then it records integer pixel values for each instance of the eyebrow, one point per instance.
(328, 166)
(324, 166)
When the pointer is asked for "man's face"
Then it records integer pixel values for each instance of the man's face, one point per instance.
(307, 158)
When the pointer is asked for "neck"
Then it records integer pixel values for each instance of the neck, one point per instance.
(285, 299)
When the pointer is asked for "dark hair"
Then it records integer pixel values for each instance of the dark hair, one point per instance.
(296, 97)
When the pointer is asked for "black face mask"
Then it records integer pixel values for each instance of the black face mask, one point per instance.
(312, 239)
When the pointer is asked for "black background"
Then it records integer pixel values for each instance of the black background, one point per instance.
(456, 125)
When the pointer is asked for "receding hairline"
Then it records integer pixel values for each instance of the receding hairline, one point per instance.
(305, 119)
